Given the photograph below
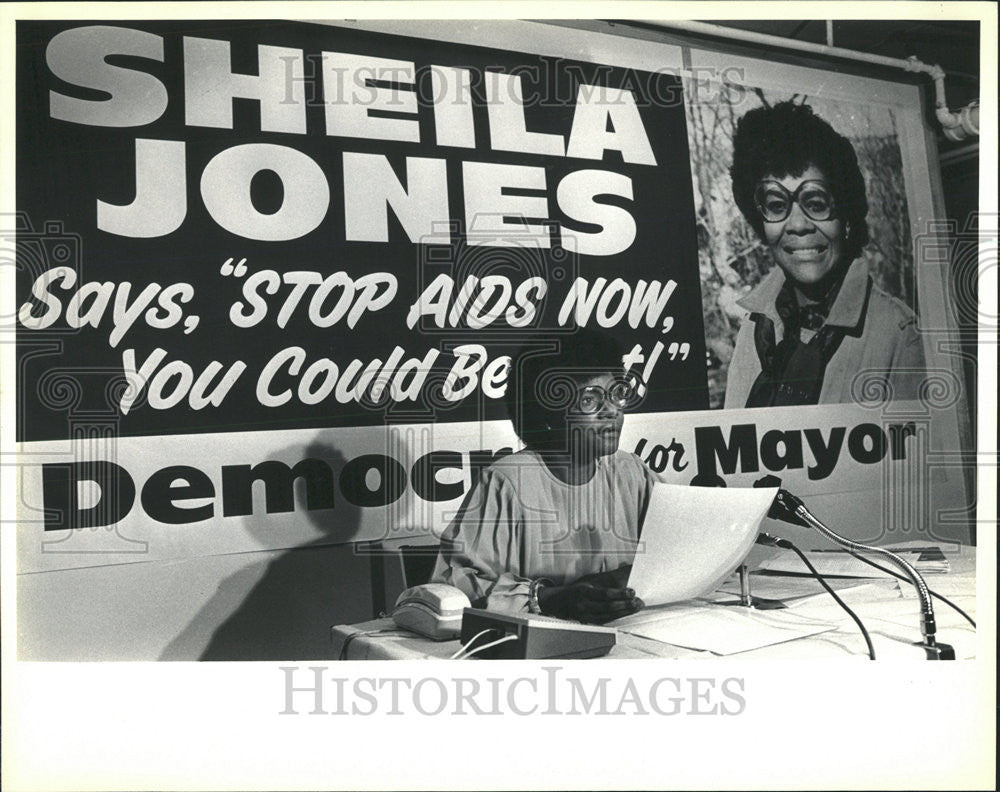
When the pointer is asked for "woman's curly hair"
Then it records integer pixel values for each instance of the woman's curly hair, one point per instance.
(784, 140)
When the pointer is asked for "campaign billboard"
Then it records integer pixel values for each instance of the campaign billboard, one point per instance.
(271, 276)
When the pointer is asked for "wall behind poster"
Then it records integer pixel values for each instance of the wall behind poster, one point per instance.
(220, 516)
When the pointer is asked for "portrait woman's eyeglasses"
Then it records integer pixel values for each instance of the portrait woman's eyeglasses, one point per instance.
(774, 201)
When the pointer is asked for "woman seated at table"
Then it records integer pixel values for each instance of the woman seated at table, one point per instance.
(819, 331)
(553, 528)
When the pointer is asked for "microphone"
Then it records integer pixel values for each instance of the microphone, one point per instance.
(789, 508)
(766, 539)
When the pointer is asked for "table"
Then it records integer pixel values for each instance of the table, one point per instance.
(889, 609)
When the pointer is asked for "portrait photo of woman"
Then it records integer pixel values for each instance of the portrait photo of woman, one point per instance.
(816, 329)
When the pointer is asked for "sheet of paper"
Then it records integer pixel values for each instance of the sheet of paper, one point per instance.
(781, 587)
(950, 586)
(726, 629)
(693, 537)
(832, 563)
(822, 606)
(927, 559)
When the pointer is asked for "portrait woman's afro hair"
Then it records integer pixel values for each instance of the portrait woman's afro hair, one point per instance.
(784, 140)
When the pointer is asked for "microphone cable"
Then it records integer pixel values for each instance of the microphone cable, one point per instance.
(934, 594)
(786, 544)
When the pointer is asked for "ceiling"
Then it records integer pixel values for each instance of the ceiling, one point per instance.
(952, 45)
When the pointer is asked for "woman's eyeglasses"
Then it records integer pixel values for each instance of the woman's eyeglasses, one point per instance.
(774, 201)
(591, 398)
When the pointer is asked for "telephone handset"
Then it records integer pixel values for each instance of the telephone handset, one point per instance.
(433, 610)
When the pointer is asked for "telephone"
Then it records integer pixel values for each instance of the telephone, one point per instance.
(433, 610)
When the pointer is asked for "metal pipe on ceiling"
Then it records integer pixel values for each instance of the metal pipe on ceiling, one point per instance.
(957, 125)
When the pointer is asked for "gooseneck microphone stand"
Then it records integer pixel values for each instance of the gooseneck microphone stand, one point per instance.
(787, 505)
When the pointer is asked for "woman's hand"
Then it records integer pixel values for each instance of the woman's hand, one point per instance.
(586, 602)
(616, 578)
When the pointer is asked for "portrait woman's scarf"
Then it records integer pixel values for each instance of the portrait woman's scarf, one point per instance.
(792, 371)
